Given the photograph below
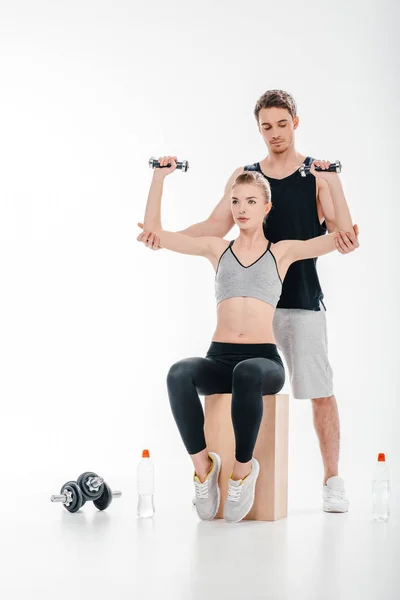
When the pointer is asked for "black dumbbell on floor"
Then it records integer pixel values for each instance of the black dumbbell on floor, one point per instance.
(95, 489)
(183, 165)
(89, 487)
(71, 497)
(333, 167)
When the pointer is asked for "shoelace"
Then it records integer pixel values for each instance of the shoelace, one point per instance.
(337, 493)
(201, 489)
(234, 493)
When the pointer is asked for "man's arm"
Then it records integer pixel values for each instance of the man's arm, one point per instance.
(336, 212)
(333, 204)
(326, 205)
(220, 221)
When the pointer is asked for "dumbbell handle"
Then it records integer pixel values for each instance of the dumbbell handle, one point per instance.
(153, 163)
(333, 167)
(59, 498)
(63, 498)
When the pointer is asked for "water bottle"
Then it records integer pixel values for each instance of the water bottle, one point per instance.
(381, 490)
(145, 486)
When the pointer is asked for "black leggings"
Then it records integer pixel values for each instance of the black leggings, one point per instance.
(248, 371)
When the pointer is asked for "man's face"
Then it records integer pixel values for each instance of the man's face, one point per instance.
(277, 128)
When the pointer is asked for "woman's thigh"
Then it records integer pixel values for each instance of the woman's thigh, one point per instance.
(208, 376)
(255, 371)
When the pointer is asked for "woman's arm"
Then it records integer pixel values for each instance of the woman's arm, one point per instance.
(152, 215)
(185, 244)
(294, 250)
(218, 224)
(177, 242)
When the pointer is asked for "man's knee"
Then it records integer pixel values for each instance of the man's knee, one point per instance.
(324, 401)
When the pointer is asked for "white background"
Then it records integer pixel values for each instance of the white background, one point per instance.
(91, 320)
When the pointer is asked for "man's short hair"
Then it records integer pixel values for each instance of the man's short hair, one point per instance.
(276, 98)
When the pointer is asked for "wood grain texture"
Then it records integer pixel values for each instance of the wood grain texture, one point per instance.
(271, 450)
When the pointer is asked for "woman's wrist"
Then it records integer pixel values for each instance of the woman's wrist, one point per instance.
(158, 177)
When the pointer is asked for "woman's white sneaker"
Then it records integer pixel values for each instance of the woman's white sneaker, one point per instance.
(207, 494)
(241, 494)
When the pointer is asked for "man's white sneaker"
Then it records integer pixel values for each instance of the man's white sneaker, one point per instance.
(241, 494)
(207, 494)
(334, 495)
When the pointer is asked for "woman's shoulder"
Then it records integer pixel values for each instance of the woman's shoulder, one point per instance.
(280, 248)
(217, 247)
(218, 244)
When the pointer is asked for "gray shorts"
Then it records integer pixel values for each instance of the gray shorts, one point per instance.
(302, 338)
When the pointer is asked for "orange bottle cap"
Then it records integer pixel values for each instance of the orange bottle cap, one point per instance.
(381, 457)
(145, 454)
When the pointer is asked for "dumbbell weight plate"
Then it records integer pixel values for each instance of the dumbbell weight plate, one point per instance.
(106, 498)
(86, 492)
(77, 498)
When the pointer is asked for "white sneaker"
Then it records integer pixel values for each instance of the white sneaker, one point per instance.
(241, 494)
(334, 495)
(207, 494)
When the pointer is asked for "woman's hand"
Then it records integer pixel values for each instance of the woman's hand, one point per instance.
(160, 174)
(149, 239)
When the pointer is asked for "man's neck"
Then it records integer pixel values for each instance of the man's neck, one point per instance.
(281, 165)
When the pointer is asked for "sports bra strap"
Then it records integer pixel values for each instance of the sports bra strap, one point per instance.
(269, 244)
(230, 243)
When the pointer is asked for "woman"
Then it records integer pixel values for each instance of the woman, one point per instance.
(243, 358)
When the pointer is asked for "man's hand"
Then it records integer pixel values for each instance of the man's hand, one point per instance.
(151, 240)
(347, 242)
(324, 174)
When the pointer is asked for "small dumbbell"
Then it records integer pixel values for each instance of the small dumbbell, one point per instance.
(183, 165)
(336, 166)
(95, 489)
(71, 497)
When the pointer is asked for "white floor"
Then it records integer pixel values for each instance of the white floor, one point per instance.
(48, 553)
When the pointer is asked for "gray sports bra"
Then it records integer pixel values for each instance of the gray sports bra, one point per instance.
(259, 280)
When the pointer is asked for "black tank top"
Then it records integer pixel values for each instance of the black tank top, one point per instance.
(294, 216)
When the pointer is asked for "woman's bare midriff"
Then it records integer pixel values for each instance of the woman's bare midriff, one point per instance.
(243, 320)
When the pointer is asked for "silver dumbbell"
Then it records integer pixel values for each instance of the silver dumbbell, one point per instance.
(336, 166)
(183, 165)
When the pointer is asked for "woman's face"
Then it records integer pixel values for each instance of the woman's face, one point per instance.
(248, 205)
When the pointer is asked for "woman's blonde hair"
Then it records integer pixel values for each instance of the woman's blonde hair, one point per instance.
(257, 179)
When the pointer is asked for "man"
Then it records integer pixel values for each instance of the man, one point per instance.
(302, 208)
